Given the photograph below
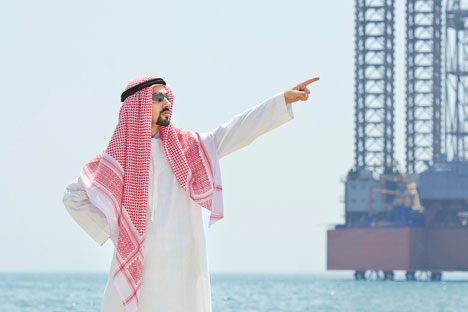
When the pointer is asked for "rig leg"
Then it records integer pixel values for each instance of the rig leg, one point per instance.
(373, 275)
(436, 276)
(422, 275)
(359, 275)
(388, 275)
(410, 276)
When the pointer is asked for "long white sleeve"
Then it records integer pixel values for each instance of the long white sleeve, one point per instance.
(246, 127)
(88, 216)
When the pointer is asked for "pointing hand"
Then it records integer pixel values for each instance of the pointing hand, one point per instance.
(299, 92)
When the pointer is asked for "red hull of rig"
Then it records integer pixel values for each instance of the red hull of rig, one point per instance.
(389, 249)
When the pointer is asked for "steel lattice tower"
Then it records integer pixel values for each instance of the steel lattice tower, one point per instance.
(456, 81)
(374, 89)
(423, 83)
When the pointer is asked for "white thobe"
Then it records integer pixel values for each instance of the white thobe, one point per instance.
(175, 271)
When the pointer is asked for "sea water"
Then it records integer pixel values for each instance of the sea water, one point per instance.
(53, 292)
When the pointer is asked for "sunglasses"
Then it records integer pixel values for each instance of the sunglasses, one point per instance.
(159, 97)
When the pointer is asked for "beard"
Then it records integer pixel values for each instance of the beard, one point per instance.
(163, 121)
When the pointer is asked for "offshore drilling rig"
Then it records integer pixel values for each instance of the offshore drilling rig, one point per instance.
(415, 221)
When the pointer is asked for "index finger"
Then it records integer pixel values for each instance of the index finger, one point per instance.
(308, 82)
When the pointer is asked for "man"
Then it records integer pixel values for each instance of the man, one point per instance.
(146, 189)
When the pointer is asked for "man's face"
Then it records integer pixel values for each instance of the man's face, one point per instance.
(161, 111)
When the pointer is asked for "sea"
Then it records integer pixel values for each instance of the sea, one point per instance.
(60, 291)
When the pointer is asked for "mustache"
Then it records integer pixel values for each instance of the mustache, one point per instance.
(165, 110)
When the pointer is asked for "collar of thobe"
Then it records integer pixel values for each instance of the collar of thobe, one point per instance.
(157, 135)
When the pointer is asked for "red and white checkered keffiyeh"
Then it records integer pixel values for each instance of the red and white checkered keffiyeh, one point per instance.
(117, 182)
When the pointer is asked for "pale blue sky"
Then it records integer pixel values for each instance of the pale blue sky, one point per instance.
(64, 65)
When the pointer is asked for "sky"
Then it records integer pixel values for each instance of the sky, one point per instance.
(64, 65)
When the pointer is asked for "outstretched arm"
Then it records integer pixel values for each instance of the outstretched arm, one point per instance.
(246, 127)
